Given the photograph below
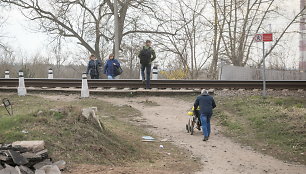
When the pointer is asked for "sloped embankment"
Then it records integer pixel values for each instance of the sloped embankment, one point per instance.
(72, 138)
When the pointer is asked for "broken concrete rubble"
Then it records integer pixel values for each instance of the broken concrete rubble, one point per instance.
(18, 158)
(51, 169)
(60, 164)
(24, 170)
(27, 157)
(42, 164)
(40, 172)
(90, 114)
(8, 170)
(33, 146)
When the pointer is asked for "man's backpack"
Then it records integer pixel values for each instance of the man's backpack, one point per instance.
(145, 56)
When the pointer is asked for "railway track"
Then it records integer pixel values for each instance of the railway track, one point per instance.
(158, 84)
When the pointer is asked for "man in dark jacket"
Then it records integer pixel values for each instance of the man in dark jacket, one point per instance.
(147, 56)
(207, 104)
(93, 67)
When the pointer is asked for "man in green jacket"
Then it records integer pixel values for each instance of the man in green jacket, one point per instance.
(147, 56)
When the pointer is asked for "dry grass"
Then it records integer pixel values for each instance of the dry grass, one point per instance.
(275, 126)
(78, 141)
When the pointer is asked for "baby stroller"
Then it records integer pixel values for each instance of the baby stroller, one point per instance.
(194, 121)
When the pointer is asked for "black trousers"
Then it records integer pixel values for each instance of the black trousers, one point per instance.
(146, 68)
(94, 76)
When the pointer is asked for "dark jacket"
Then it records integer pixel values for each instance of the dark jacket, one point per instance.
(153, 56)
(109, 68)
(93, 67)
(206, 103)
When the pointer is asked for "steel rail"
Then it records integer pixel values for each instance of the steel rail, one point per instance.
(161, 84)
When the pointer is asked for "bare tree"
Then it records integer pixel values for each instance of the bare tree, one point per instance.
(218, 27)
(235, 24)
(241, 19)
(2, 22)
(89, 22)
(186, 20)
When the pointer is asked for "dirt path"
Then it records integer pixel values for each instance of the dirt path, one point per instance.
(218, 155)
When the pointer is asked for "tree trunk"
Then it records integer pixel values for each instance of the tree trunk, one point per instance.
(213, 66)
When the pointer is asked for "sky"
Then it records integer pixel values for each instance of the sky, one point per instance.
(22, 38)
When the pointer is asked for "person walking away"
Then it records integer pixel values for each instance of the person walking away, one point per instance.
(147, 56)
(207, 104)
(93, 67)
(111, 67)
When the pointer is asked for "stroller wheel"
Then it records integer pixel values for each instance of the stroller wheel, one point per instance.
(192, 128)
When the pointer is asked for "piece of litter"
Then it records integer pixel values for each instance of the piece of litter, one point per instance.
(161, 146)
(148, 138)
(24, 131)
(105, 116)
(166, 140)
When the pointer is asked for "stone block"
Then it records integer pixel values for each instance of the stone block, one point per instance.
(18, 158)
(51, 169)
(42, 164)
(60, 164)
(33, 146)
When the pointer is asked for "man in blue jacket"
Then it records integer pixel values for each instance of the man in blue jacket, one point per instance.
(207, 104)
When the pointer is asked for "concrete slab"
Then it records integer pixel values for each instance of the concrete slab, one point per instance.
(18, 158)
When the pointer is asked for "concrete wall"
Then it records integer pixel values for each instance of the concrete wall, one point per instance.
(229, 72)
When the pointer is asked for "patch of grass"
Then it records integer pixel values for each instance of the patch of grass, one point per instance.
(70, 137)
(234, 126)
(77, 141)
(289, 102)
(276, 123)
(58, 115)
(299, 105)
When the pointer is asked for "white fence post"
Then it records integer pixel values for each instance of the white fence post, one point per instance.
(155, 73)
(22, 91)
(50, 73)
(140, 76)
(85, 90)
(7, 74)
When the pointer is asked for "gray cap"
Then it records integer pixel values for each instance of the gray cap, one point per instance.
(204, 91)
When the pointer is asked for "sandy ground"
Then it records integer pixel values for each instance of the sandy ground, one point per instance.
(219, 155)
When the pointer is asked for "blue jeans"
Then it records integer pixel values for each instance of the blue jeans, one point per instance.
(148, 73)
(205, 120)
(113, 77)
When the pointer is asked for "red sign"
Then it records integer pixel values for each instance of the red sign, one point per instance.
(268, 37)
(264, 37)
